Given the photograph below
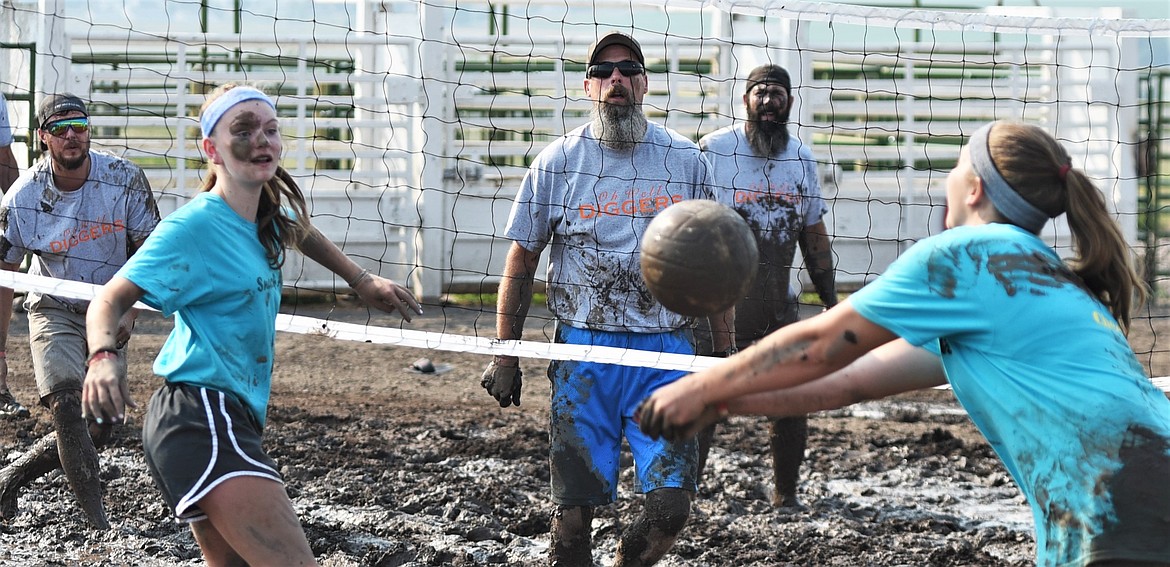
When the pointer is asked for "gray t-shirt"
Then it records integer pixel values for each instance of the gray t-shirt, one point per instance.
(779, 197)
(81, 235)
(593, 205)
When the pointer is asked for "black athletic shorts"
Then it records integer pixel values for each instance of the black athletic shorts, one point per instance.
(196, 438)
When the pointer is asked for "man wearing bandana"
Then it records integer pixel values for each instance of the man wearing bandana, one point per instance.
(770, 178)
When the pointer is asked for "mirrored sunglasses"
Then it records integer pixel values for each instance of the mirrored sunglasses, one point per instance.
(627, 68)
(59, 127)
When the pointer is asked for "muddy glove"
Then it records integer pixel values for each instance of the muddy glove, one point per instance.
(503, 382)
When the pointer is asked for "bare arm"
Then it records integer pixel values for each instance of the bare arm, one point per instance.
(795, 354)
(818, 258)
(503, 378)
(9, 169)
(515, 295)
(722, 330)
(6, 295)
(105, 393)
(892, 368)
(376, 291)
(126, 323)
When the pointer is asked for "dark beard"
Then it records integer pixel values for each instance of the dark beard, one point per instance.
(767, 138)
(618, 126)
(71, 164)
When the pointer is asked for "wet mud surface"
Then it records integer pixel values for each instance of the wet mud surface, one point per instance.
(387, 466)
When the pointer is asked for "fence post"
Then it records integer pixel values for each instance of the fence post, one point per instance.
(53, 51)
(433, 130)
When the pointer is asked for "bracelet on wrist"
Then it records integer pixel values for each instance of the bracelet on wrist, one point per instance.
(362, 275)
(102, 354)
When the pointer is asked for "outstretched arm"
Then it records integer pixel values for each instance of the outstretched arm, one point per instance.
(795, 354)
(105, 393)
(375, 290)
(890, 369)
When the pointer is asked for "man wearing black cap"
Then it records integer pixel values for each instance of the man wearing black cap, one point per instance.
(771, 179)
(80, 214)
(591, 194)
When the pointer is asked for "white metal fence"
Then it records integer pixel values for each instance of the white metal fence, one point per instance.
(411, 134)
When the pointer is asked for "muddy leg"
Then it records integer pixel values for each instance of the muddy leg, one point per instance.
(39, 460)
(789, 437)
(572, 537)
(656, 529)
(78, 456)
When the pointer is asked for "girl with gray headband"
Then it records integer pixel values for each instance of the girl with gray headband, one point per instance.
(1033, 347)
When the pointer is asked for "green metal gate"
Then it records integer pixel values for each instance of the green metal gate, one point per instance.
(1153, 170)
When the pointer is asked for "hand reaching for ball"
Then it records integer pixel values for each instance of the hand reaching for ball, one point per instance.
(675, 414)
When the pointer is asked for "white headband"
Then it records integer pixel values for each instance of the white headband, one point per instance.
(228, 99)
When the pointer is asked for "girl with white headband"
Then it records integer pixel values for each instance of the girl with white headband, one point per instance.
(215, 265)
(1033, 347)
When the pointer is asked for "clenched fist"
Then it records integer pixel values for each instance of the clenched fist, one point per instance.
(503, 382)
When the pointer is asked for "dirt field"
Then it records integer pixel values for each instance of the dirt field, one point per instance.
(390, 467)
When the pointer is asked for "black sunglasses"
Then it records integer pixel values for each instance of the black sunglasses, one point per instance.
(627, 68)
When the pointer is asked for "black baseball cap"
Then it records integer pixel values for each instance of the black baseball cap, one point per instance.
(616, 38)
(53, 105)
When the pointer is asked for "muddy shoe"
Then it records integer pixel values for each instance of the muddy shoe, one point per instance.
(10, 408)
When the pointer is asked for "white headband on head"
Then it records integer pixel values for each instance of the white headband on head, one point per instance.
(228, 99)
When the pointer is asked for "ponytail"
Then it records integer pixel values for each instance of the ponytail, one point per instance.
(1040, 170)
(1103, 259)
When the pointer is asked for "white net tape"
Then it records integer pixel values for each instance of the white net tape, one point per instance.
(425, 339)
(406, 338)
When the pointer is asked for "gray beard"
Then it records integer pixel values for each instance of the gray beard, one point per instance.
(767, 139)
(618, 127)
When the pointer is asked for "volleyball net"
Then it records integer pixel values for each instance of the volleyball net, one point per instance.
(410, 124)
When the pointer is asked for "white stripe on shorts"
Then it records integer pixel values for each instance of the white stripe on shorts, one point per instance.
(199, 490)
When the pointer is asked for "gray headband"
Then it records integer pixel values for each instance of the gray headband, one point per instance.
(1006, 200)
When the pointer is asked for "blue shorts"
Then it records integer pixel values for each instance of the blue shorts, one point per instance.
(593, 407)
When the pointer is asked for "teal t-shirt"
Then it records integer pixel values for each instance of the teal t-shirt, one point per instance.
(205, 265)
(1047, 375)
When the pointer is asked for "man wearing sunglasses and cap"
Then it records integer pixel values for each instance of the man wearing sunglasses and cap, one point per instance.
(80, 214)
(591, 194)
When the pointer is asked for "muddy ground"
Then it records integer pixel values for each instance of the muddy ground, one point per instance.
(390, 467)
